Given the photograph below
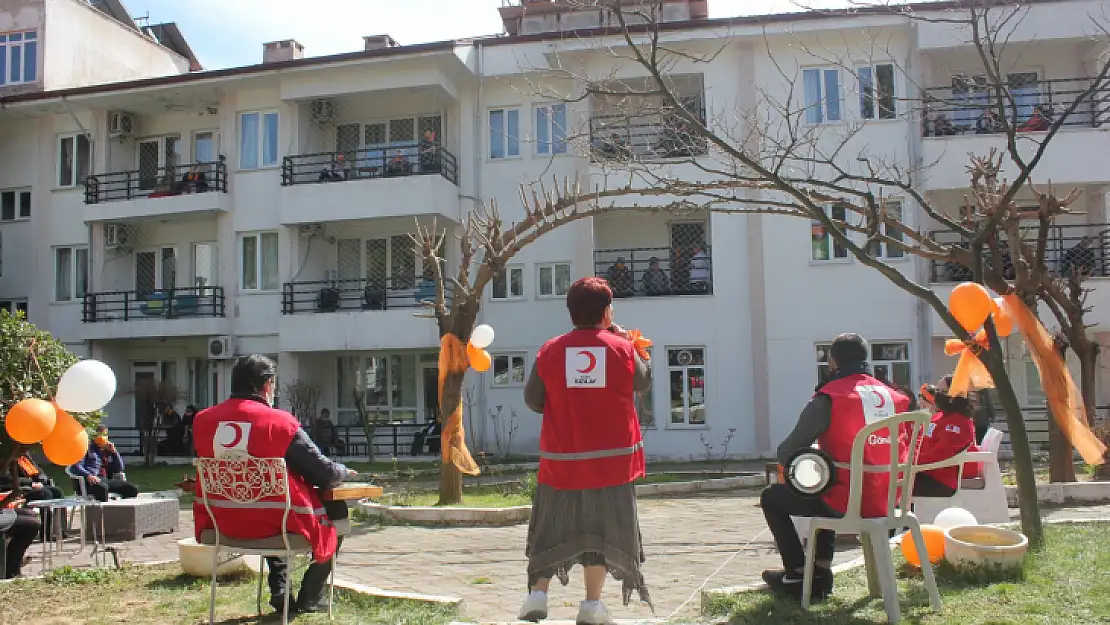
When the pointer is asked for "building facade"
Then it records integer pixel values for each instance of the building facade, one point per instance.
(172, 219)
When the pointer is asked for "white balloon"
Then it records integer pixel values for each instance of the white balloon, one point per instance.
(954, 517)
(482, 336)
(87, 386)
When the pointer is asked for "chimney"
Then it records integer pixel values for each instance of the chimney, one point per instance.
(277, 51)
(379, 42)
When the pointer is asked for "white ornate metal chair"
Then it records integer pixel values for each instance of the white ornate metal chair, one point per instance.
(240, 481)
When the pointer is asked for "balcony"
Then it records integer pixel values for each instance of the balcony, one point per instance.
(367, 183)
(197, 311)
(964, 112)
(177, 189)
(332, 315)
(644, 136)
(1082, 248)
(655, 272)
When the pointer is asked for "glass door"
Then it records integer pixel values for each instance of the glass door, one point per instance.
(429, 393)
(145, 382)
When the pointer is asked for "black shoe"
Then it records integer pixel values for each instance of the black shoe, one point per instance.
(277, 602)
(790, 584)
(319, 606)
(773, 578)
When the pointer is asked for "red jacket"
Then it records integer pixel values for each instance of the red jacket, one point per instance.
(947, 435)
(248, 425)
(858, 400)
(590, 436)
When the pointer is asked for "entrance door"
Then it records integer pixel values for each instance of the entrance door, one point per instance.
(429, 378)
(157, 160)
(155, 269)
(145, 379)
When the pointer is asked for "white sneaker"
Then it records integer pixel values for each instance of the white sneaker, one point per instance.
(593, 613)
(534, 608)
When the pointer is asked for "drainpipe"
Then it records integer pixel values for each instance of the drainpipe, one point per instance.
(89, 260)
(921, 265)
(478, 162)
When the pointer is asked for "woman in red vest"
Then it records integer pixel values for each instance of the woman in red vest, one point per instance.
(591, 453)
(952, 430)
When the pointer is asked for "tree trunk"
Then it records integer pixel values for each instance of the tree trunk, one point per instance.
(1019, 440)
(450, 479)
(450, 484)
(1061, 456)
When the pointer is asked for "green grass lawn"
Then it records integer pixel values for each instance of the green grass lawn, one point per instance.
(1068, 582)
(159, 595)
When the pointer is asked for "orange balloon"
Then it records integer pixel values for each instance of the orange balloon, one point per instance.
(479, 358)
(1003, 324)
(30, 421)
(970, 304)
(66, 450)
(934, 545)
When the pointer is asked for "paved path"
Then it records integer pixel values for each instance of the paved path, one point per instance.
(686, 540)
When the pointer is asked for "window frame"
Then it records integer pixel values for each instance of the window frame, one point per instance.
(704, 366)
(872, 91)
(871, 359)
(509, 297)
(263, 115)
(884, 248)
(505, 111)
(12, 305)
(75, 294)
(823, 73)
(17, 207)
(258, 236)
(75, 179)
(29, 36)
(548, 126)
(833, 259)
(511, 355)
(554, 291)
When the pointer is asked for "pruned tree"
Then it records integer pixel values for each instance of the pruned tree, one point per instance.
(303, 396)
(350, 370)
(152, 398)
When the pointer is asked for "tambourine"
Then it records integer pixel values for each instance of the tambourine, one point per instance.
(810, 472)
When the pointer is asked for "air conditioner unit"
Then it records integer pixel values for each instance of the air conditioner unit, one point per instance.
(219, 348)
(311, 230)
(121, 124)
(115, 235)
(325, 111)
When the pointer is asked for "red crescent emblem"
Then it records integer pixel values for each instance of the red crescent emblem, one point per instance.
(882, 400)
(238, 435)
(592, 359)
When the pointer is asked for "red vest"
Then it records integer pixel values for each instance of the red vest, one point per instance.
(270, 433)
(590, 436)
(947, 435)
(857, 401)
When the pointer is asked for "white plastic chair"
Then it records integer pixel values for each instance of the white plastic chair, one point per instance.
(874, 532)
(82, 491)
(245, 482)
(983, 497)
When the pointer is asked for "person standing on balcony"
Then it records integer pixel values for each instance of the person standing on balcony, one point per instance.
(429, 152)
(591, 454)
(655, 279)
(699, 270)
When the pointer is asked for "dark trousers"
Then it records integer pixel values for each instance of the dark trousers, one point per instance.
(779, 503)
(43, 494)
(104, 487)
(20, 533)
(315, 577)
(925, 486)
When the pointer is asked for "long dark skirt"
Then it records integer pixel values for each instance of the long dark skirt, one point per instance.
(598, 527)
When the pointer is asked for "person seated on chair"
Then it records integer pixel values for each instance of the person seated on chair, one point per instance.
(249, 424)
(951, 432)
(843, 405)
(34, 485)
(98, 473)
(19, 526)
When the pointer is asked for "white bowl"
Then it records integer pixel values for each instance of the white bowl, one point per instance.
(985, 546)
(196, 560)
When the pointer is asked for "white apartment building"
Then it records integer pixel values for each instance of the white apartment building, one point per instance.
(178, 219)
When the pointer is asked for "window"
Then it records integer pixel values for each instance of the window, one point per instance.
(876, 92)
(15, 205)
(19, 57)
(686, 369)
(386, 385)
(890, 362)
(259, 270)
(551, 129)
(554, 280)
(13, 306)
(74, 156)
(645, 405)
(821, 89)
(509, 283)
(879, 249)
(71, 273)
(824, 247)
(508, 369)
(258, 139)
(504, 133)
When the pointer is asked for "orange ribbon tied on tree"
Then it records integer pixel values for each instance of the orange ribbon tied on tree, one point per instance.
(970, 373)
(641, 343)
(453, 360)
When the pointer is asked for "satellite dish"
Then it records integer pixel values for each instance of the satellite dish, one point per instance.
(810, 472)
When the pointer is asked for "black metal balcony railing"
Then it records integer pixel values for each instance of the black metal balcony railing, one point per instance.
(327, 296)
(176, 303)
(368, 163)
(161, 182)
(970, 107)
(644, 136)
(1082, 249)
(650, 272)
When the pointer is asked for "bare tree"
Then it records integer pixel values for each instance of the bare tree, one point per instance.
(152, 398)
(303, 396)
(351, 373)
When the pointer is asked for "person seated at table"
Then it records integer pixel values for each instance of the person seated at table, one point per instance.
(249, 424)
(19, 526)
(98, 473)
(174, 443)
(620, 279)
(34, 485)
(843, 405)
(194, 181)
(429, 436)
(429, 152)
(988, 123)
(952, 431)
(655, 279)
(1037, 122)
(336, 170)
